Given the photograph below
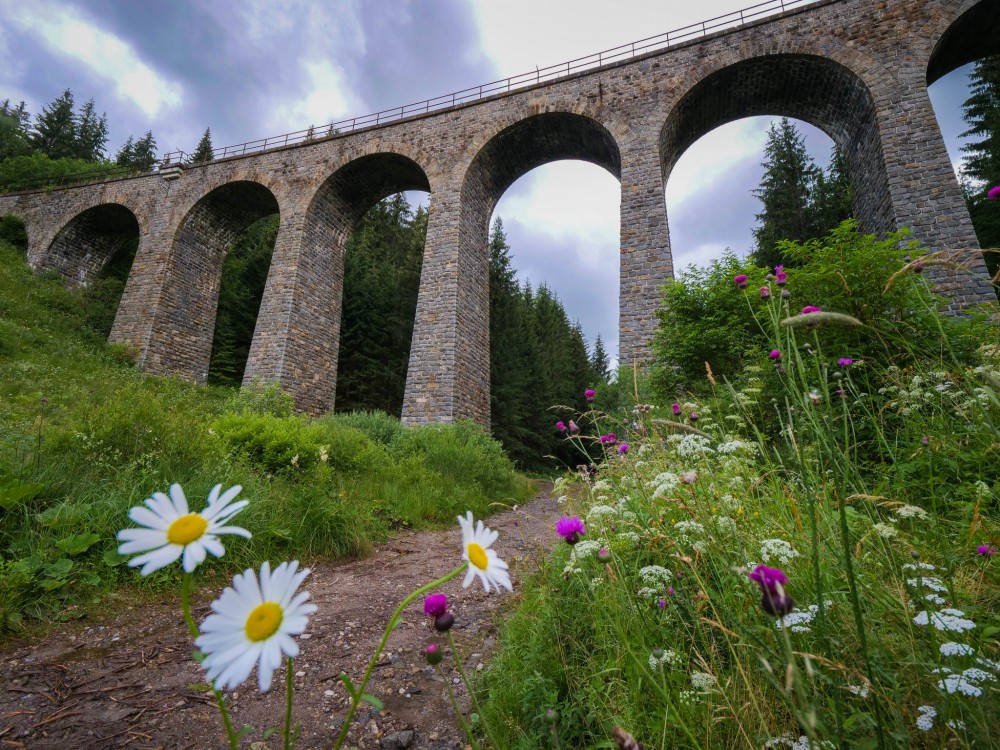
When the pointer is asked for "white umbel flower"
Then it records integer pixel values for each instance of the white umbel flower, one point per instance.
(253, 625)
(171, 530)
(483, 561)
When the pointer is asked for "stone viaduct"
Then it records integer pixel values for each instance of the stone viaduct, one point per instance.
(857, 69)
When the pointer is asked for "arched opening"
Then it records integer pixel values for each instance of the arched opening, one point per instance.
(218, 223)
(552, 268)
(719, 176)
(14, 233)
(96, 249)
(825, 94)
(963, 78)
(360, 259)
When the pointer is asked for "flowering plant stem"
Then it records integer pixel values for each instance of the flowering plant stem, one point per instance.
(234, 742)
(458, 711)
(359, 692)
(289, 691)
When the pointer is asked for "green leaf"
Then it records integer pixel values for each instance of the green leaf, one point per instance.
(244, 731)
(989, 632)
(369, 698)
(78, 543)
(51, 584)
(113, 559)
(92, 579)
(269, 731)
(18, 494)
(347, 684)
(59, 569)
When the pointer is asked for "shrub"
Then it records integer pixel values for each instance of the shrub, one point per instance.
(377, 425)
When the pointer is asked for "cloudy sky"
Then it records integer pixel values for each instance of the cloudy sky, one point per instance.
(252, 68)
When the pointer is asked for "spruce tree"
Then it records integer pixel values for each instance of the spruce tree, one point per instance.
(832, 197)
(982, 165)
(13, 130)
(785, 192)
(55, 131)
(203, 152)
(126, 153)
(599, 361)
(92, 134)
(144, 153)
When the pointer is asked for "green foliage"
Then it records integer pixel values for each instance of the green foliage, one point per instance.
(23, 171)
(538, 359)
(203, 152)
(244, 275)
(55, 130)
(799, 201)
(706, 318)
(381, 279)
(84, 437)
(13, 130)
(982, 166)
(876, 536)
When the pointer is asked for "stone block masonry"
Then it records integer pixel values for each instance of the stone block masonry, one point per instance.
(857, 69)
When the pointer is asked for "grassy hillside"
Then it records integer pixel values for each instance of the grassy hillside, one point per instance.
(84, 436)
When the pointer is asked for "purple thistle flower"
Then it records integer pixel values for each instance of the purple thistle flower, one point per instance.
(603, 554)
(676, 408)
(443, 623)
(765, 292)
(780, 277)
(573, 428)
(589, 394)
(623, 448)
(561, 426)
(741, 281)
(986, 550)
(785, 294)
(775, 355)
(925, 440)
(994, 193)
(774, 601)
(570, 529)
(662, 603)
(670, 590)
(693, 416)
(435, 605)
(808, 309)
(845, 362)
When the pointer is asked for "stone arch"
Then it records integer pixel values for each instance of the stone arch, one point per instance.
(185, 318)
(510, 153)
(86, 243)
(818, 90)
(956, 35)
(298, 330)
(14, 231)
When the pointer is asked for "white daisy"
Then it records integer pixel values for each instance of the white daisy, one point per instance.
(483, 561)
(172, 530)
(253, 624)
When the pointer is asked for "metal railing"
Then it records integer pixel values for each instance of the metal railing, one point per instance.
(616, 54)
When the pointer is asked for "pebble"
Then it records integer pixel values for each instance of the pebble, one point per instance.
(328, 693)
(300, 674)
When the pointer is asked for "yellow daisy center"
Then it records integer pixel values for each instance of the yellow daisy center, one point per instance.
(264, 621)
(186, 529)
(477, 556)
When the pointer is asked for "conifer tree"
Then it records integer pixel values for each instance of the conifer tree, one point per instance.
(144, 153)
(982, 165)
(13, 130)
(599, 362)
(203, 152)
(55, 131)
(833, 197)
(126, 153)
(784, 192)
(91, 134)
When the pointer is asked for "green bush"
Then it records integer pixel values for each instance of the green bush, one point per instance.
(377, 425)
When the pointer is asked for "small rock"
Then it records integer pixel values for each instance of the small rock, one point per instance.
(398, 740)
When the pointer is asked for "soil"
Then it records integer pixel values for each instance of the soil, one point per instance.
(128, 681)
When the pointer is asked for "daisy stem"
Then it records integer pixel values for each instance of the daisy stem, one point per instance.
(465, 679)
(234, 742)
(360, 691)
(287, 744)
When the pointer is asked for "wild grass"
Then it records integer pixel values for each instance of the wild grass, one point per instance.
(84, 437)
(873, 486)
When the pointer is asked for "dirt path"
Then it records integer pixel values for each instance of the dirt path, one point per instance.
(129, 681)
